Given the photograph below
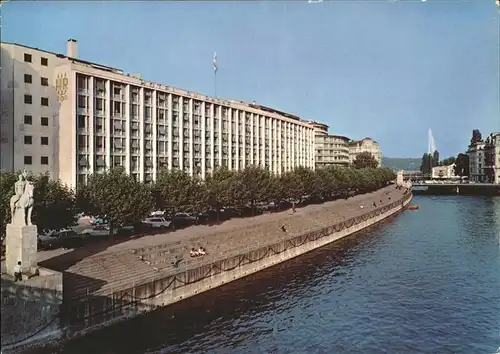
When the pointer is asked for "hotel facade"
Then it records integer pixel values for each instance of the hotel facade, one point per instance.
(356, 147)
(492, 158)
(330, 149)
(72, 118)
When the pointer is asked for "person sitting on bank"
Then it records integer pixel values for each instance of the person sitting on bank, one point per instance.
(18, 272)
(176, 262)
(201, 251)
(193, 252)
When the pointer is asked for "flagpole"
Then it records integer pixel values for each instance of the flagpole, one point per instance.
(214, 64)
(215, 83)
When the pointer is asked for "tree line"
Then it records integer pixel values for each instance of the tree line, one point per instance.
(124, 200)
(432, 160)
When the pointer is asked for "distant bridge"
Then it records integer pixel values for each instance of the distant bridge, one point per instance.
(485, 189)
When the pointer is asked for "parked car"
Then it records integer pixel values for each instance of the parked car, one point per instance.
(65, 238)
(99, 230)
(184, 219)
(157, 222)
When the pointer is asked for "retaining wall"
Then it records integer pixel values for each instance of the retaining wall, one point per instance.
(30, 309)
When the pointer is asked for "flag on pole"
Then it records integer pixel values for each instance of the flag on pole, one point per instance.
(214, 62)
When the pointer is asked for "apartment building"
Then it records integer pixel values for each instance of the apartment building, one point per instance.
(492, 158)
(476, 161)
(330, 149)
(443, 172)
(100, 117)
(365, 145)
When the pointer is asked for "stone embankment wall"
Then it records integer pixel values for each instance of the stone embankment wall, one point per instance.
(97, 312)
(30, 309)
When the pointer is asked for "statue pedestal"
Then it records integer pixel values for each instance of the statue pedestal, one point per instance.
(21, 245)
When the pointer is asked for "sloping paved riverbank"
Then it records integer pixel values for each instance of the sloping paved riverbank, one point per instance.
(102, 269)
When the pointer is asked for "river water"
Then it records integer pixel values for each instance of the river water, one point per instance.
(426, 281)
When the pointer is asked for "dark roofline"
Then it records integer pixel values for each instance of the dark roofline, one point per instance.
(340, 136)
(353, 142)
(319, 123)
(272, 110)
(59, 55)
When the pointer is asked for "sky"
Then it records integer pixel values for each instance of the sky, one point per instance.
(389, 70)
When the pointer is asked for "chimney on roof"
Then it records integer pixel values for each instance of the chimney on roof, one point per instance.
(72, 48)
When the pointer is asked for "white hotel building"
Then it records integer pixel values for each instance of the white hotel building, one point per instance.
(72, 118)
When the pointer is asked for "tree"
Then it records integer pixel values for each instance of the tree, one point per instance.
(174, 191)
(435, 159)
(54, 204)
(299, 182)
(342, 180)
(426, 166)
(326, 183)
(462, 165)
(218, 186)
(253, 185)
(7, 180)
(116, 196)
(447, 162)
(365, 160)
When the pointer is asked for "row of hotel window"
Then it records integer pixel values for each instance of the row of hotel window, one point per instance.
(28, 160)
(28, 120)
(28, 140)
(28, 79)
(44, 101)
(28, 58)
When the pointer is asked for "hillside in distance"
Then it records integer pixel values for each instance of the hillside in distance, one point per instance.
(402, 163)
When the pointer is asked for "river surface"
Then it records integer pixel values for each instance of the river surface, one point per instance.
(426, 281)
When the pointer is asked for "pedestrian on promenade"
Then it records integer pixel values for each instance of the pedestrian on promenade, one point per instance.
(293, 208)
(18, 272)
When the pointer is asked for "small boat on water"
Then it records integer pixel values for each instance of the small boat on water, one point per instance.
(413, 207)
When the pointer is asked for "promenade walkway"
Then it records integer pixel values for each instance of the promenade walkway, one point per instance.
(104, 268)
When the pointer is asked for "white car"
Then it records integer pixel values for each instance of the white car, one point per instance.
(157, 214)
(99, 230)
(156, 222)
(49, 234)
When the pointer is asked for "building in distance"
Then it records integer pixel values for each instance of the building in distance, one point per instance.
(365, 145)
(330, 149)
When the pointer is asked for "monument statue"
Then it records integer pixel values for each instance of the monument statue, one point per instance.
(21, 203)
(21, 235)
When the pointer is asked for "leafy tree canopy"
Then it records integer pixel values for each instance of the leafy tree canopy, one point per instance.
(122, 199)
(116, 195)
(176, 190)
(53, 202)
(462, 165)
(365, 160)
(219, 187)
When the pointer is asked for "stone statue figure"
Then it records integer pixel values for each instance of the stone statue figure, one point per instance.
(21, 203)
